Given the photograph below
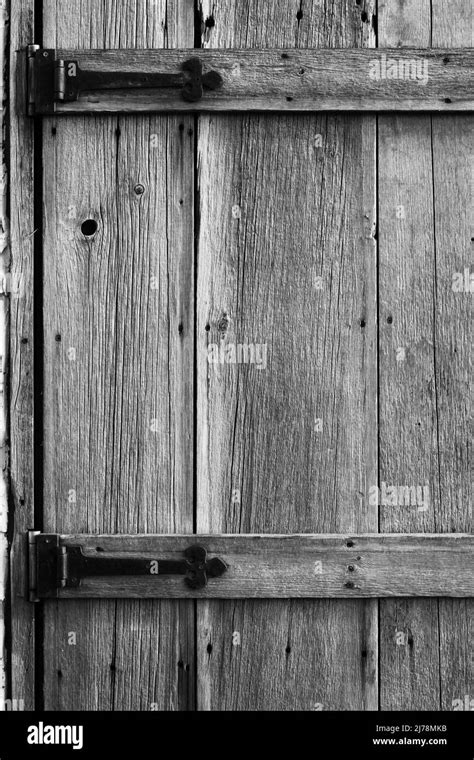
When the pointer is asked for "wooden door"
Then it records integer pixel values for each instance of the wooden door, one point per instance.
(246, 325)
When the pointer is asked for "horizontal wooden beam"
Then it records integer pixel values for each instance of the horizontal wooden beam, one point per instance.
(291, 566)
(289, 80)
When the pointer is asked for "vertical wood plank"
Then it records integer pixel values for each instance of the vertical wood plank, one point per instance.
(409, 672)
(118, 362)
(453, 191)
(423, 360)
(287, 262)
(4, 327)
(21, 400)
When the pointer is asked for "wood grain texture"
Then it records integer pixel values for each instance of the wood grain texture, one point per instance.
(289, 566)
(279, 80)
(118, 333)
(287, 260)
(4, 337)
(453, 205)
(21, 400)
(423, 359)
(409, 673)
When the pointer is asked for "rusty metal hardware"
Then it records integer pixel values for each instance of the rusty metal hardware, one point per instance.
(54, 566)
(52, 80)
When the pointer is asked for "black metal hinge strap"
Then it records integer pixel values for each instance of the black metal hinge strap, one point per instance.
(54, 566)
(54, 80)
(71, 80)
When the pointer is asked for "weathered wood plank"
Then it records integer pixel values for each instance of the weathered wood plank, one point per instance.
(118, 363)
(456, 634)
(424, 356)
(287, 263)
(453, 205)
(4, 338)
(290, 566)
(279, 80)
(409, 672)
(21, 399)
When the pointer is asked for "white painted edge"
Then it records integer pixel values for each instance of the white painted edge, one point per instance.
(4, 327)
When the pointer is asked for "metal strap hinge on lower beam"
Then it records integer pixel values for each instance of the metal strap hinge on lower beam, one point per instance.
(250, 566)
(54, 566)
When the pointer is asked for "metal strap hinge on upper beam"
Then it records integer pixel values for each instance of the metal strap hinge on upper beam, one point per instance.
(241, 80)
(53, 80)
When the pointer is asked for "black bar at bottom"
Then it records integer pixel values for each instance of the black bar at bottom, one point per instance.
(311, 734)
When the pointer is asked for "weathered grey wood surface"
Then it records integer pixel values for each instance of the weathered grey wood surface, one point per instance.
(287, 258)
(424, 356)
(291, 566)
(118, 335)
(4, 350)
(22, 235)
(284, 80)
(453, 207)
